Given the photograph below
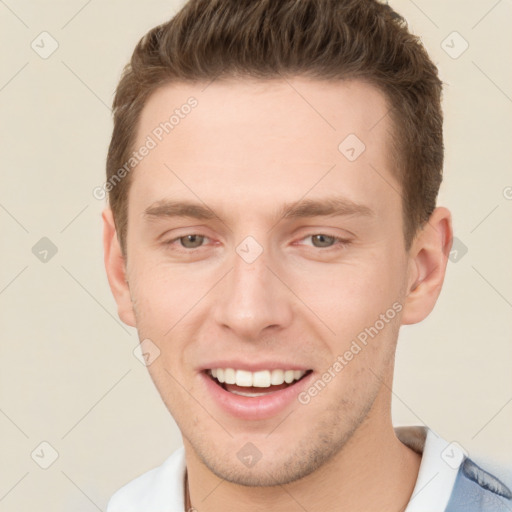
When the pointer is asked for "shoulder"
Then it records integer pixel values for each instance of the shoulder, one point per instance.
(157, 490)
(449, 480)
(482, 486)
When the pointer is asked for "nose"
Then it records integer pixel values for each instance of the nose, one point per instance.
(253, 301)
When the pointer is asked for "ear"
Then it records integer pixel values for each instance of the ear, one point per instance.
(115, 265)
(428, 257)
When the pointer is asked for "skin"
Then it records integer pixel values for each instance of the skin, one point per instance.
(245, 151)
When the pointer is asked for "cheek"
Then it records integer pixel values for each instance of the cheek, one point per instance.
(351, 296)
(170, 307)
(163, 295)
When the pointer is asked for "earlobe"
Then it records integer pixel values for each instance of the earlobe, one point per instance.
(427, 266)
(115, 265)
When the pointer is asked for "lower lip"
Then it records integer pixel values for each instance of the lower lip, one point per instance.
(258, 407)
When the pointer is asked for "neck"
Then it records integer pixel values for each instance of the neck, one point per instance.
(373, 471)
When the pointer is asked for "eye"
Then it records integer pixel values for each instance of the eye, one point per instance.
(189, 241)
(323, 241)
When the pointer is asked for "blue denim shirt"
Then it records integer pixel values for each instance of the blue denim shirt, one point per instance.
(476, 490)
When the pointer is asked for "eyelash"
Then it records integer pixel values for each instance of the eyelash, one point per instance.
(339, 243)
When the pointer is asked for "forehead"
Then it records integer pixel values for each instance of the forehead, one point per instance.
(270, 108)
(261, 137)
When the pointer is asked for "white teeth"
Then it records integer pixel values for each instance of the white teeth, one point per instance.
(277, 377)
(259, 379)
(229, 376)
(288, 376)
(243, 378)
(241, 393)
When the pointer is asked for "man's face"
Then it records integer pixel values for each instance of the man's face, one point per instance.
(297, 248)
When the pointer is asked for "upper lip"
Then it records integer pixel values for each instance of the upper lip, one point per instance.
(252, 366)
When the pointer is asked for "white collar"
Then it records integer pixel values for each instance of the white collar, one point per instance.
(439, 466)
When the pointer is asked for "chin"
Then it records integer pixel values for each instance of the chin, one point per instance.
(250, 467)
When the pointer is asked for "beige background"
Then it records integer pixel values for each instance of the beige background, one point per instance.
(68, 373)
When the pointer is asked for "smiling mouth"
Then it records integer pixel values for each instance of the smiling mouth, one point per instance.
(254, 384)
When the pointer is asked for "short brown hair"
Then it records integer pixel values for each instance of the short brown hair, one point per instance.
(321, 39)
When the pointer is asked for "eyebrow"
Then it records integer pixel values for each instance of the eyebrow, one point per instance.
(179, 209)
(327, 207)
(304, 208)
